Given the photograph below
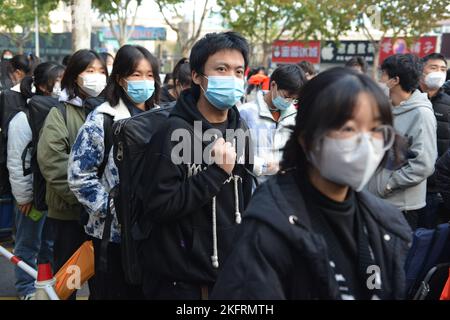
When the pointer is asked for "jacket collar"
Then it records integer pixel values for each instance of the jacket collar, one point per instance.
(119, 112)
(264, 112)
(64, 97)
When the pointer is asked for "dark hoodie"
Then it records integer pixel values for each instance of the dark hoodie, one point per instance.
(179, 203)
(278, 255)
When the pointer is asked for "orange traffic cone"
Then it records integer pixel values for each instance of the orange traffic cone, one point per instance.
(44, 283)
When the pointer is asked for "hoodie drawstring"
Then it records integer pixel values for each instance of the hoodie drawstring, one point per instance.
(236, 201)
(215, 256)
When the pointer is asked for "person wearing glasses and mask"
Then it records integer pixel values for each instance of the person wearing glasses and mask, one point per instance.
(269, 117)
(311, 231)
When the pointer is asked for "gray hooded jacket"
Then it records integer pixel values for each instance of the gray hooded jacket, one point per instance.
(415, 120)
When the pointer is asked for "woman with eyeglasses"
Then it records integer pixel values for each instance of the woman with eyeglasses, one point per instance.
(312, 232)
(269, 117)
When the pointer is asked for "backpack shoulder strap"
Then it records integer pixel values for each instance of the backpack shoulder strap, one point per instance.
(62, 108)
(108, 140)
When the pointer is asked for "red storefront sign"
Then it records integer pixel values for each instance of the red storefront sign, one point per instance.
(421, 47)
(296, 51)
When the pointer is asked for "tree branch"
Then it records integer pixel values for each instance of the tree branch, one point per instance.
(133, 23)
(177, 30)
(205, 9)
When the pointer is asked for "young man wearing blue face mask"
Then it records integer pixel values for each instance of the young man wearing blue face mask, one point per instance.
(270, 116)
(194, 196)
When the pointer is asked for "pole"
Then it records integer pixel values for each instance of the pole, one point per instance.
(36, 27)
(29, 270)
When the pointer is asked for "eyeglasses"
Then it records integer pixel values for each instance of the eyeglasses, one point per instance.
(287, 100)
(384, 134)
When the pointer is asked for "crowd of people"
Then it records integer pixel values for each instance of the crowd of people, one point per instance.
(336, 172)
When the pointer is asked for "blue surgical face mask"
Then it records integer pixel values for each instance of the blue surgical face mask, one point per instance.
(224, 92)
(140, 90)
(280, 103)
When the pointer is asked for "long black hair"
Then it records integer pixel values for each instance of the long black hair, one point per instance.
(327, 102)
(44, 75)
(77, 64)
(126, 61)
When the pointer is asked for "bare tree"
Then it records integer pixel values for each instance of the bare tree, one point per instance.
(119, 11)
(186, 36)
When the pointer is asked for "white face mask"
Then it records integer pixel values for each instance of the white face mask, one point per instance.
(435, 80)
(56, 92)
(110, 69)
(93, 83)
(348, 162)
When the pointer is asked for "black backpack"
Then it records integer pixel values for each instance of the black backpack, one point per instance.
(11, 103)
(131, 136)
(38, 109)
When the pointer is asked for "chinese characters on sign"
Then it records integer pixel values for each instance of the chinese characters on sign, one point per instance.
(420, 47)
(343, 51)
(296, 51)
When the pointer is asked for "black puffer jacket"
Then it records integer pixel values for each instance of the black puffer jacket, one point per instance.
(441, 107)
(442, 177)
(278, 256)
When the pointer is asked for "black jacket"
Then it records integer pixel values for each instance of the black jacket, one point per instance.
(278, 256)
(441, 107)
(178, 202)
(442, 177)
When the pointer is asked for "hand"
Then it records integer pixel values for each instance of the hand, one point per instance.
(272, 168)
(224, 155)
(25, 208)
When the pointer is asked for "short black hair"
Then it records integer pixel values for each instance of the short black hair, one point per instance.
(45, 74)
(407, 67)
(79, 61)
(434, 56)
(212, 43)
(328, 101)
(21, 62)
(307, 67)
(65, 60)
(357, 62)
(126, 61)
(289, 77)
(184, 75)
(176, 69)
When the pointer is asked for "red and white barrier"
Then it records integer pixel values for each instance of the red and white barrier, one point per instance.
(48, 287)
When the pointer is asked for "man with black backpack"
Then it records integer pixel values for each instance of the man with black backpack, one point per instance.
(197, 180)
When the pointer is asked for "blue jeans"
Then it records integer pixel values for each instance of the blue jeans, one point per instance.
(33, 245)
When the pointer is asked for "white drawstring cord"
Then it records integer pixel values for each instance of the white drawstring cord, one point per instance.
(236, 200)
(215, 256)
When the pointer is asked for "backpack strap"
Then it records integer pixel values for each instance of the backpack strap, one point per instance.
(62, 108)
(108, 140)
(26, 171)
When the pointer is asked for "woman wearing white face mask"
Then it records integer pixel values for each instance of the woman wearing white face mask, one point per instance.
(84, 77)
(133, 88)
(310, 232)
